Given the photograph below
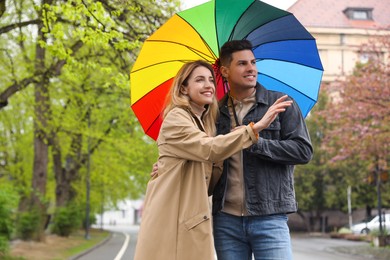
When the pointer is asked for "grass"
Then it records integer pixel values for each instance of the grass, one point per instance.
(57, 248)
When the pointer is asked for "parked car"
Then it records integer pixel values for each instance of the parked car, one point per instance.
(367, 227)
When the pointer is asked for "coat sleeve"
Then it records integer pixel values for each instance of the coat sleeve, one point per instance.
(181, 138)
(294, 145)
(215, 176)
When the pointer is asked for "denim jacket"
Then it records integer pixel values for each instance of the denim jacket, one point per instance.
(269, 164)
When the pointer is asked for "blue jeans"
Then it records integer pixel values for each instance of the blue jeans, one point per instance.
(266, 237)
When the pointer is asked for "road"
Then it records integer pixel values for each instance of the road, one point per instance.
(320, 248)
(121, 246)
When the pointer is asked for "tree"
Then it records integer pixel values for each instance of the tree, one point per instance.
(311, 179)
(344, 156)
(359, 116)
(75, 57)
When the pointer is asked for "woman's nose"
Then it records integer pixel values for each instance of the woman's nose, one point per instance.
(210, 83)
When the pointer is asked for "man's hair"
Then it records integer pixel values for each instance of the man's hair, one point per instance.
(227, 50)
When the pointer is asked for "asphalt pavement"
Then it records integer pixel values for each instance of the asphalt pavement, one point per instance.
(121, 246)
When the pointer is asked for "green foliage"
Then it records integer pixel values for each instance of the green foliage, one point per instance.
(28, 224)
(344, 230)
(4, 246)
(67, 219)
(92, 220)
(322, 183)
(88, 50)
(16, 144)
(310, 179)
(8, 204)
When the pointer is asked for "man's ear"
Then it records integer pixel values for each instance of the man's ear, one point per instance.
(224, 71)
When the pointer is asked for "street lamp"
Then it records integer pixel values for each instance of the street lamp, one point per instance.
(88, 184)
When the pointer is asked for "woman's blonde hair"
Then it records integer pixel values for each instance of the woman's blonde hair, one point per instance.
(176, 98)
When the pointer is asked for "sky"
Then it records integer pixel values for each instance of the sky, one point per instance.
(282, 4)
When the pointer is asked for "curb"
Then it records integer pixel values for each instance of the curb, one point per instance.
(92, 248)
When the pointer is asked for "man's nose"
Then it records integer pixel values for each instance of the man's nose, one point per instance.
(252, 67)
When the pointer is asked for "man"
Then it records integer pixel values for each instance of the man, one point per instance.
(256, 190)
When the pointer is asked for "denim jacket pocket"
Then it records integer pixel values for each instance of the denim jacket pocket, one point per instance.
(196, 220)
(272, 132)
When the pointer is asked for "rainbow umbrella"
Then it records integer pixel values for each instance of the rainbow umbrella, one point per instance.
(286, 53)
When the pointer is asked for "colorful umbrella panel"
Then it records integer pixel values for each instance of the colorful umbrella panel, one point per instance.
(286, 53)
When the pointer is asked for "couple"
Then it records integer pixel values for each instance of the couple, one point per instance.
(259, 135)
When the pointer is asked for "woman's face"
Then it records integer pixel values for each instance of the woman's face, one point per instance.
(200, 88)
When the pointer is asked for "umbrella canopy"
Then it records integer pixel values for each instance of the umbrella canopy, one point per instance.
(286, 53)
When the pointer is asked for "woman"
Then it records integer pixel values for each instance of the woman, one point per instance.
(176, 220)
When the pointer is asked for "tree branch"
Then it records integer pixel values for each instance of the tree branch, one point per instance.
(17, 86)
(54, 70)
(19, 25)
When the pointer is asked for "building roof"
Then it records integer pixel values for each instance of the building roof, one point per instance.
(330, 13)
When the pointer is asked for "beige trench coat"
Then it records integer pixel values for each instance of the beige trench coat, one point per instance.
(176, 219)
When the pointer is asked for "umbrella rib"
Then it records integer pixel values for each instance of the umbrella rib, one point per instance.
(204, 56)
(295, 62)
(158, 63)
(154, 121)
(287, 85)
(283, 40)
(234, 28)
(191, 48)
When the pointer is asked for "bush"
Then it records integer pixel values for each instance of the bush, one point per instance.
(8, 202)
(28, 224)
(66, 220)
(4, 246)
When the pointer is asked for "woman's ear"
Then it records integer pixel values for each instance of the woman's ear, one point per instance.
(183, 90)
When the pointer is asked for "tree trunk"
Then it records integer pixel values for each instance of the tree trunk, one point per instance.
(59, 173)
(64, 190)
(42, 115)
(65, 176)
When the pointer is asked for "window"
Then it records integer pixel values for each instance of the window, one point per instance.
(358, 13)
(365, 57)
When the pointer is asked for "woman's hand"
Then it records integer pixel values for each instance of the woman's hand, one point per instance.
(279, 106)
(154, 170)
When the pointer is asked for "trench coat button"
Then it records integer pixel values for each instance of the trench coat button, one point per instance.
(207, 177)
(204, 217)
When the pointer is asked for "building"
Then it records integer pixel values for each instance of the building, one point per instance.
(126, 213)
(340, 28)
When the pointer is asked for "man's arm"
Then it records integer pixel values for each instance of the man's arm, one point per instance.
(294, 145)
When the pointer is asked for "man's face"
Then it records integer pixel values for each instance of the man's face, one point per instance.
(242, 72)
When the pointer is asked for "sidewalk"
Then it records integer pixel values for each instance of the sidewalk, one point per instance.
(119, 245)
